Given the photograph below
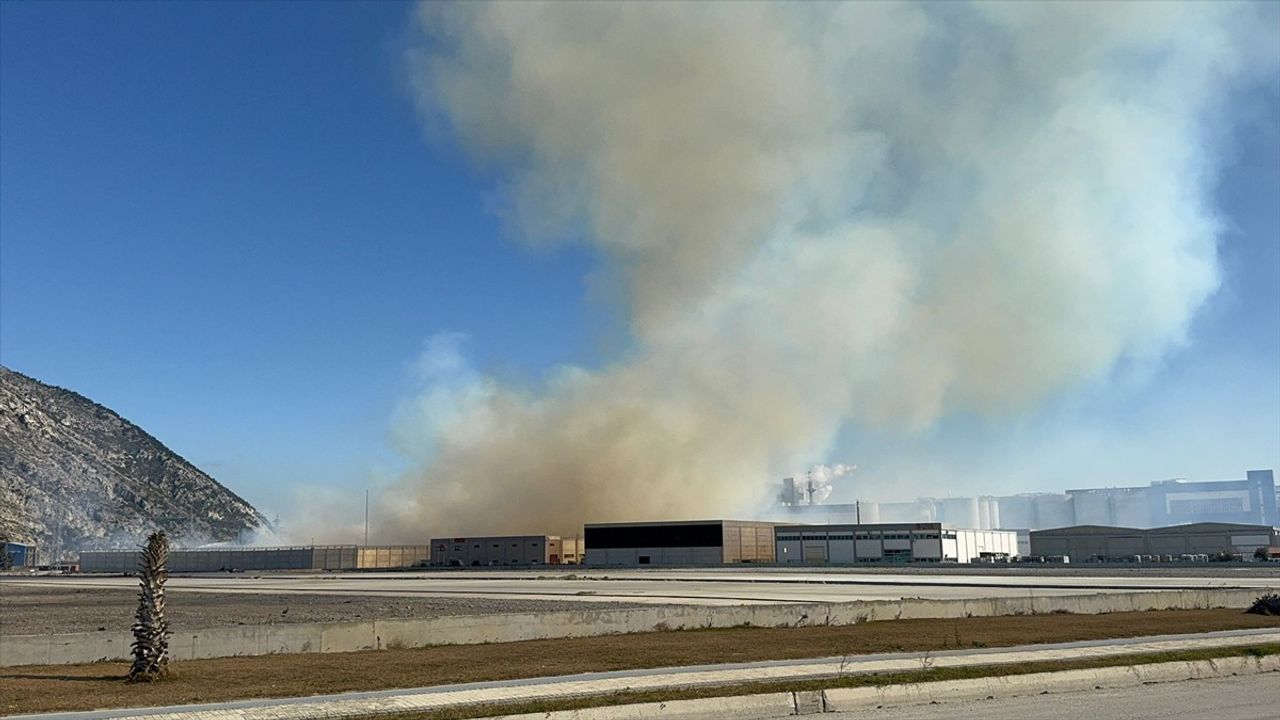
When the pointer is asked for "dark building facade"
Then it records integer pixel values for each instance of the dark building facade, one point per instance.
(1084, 542)
(702, 542)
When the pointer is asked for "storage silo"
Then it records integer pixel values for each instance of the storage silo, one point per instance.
(960, 512)
(989, 512)
(1054, 510)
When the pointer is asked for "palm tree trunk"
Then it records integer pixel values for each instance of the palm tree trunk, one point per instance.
(150, 628)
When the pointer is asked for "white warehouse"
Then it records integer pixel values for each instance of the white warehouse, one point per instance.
(891, 543)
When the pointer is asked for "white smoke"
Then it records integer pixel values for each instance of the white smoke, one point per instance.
(822, 478)
(817, 215)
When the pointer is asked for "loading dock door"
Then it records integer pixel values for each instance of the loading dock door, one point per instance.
(815, 552)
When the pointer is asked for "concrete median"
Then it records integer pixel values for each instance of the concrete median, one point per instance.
(950, 691)
(862, 698)
(463, 630)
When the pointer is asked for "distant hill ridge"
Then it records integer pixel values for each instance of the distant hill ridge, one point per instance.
(74, 474)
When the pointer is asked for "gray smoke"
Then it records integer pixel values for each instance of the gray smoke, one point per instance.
(816, 215)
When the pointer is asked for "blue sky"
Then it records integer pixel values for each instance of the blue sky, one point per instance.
(226, 222)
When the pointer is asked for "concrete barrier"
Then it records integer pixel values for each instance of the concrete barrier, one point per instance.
(748, 707)
(469, 629)
(862, 698)
(779, 705)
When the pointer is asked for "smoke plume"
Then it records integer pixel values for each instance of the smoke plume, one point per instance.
(816, 216)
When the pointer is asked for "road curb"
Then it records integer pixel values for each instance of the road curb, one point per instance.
(777, 705)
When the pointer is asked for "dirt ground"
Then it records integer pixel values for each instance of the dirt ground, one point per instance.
(30, 689)
(38, 611)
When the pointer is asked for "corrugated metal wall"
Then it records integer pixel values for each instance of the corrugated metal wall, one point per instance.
(748, 542)
(318, 557)
(495, 550)
(393, 556)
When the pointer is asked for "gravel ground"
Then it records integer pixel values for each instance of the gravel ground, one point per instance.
(36, 611)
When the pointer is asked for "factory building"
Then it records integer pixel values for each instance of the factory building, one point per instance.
(504, 550)
(695, 542)
(307, 557)
(220, 559)
(391, 557)
(1086, 542)
(1170, 502)
(532, 550)
(891, 543)
(19, 555)
(1252, 500)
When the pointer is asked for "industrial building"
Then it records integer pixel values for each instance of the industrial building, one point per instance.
(18, 555)
(1251, 500)
(891, 543)
(695, 542)
(307, 557)
(391, 557)
(983, 512)
(1096, 542)
(1171, 502)
(504, 550)
(525, 550)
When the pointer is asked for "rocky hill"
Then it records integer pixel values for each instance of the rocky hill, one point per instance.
(74, 475)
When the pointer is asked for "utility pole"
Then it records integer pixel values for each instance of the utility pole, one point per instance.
(366, 517)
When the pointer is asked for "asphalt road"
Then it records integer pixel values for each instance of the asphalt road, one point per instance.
(701, 587)
(1250, 697)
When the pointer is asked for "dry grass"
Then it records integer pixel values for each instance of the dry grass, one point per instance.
(33, 689)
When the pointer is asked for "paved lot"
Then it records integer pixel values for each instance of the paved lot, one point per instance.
(43, 609)
(1252, 697)
(700, 587)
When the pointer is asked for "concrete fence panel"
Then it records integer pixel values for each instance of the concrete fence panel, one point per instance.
(463, 630)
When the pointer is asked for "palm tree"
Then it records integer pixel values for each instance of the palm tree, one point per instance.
(150, 628)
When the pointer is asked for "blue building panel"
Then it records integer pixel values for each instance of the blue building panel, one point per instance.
(20, 555)
(1251, 501)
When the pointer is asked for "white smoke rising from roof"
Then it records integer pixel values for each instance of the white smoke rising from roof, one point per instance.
(872, 214)
(822, 479)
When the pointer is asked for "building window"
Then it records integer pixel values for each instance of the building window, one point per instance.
(1207, 506)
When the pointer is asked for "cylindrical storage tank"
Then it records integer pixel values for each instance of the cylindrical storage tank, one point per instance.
(1054, 511)
(960, 512)
(984, 514)
(1017, 511)
(994, 506)
(868, 512)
